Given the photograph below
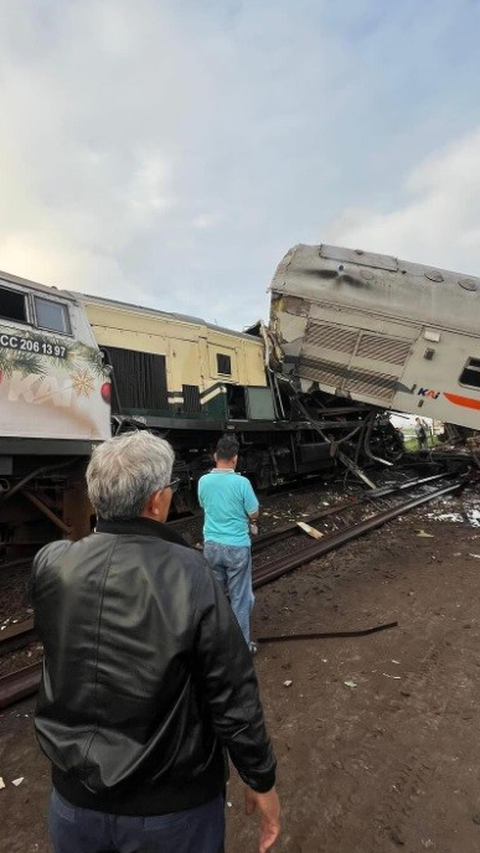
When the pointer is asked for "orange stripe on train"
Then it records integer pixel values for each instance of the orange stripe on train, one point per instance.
(468, 402)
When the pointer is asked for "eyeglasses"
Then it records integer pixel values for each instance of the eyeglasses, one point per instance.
(174, 485)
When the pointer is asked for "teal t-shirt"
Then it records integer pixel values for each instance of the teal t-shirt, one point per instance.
(227, 499)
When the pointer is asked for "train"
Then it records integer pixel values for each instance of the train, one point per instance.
(378, 330)
(351, 336)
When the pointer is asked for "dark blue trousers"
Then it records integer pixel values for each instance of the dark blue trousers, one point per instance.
(76, 830)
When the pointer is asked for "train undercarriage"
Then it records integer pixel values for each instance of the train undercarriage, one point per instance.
(42, 488)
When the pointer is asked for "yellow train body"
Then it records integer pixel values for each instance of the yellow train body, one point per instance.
(196, 355)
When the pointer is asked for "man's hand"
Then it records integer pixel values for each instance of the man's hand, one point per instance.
(269, 807)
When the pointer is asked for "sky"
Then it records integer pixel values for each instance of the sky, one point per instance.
(169, 152)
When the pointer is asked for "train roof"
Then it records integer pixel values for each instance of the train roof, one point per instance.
(77, 296)
(182, 318)
(380, 283)
(48, 290)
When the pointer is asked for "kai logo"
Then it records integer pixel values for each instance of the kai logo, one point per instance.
(429, 392)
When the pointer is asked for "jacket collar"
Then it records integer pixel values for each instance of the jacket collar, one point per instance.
(140, 527)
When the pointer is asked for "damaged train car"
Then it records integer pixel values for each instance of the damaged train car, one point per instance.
(379, 331)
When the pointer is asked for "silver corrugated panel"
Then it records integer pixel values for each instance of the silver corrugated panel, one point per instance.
(322, 374)
(378, 385)
(331, 337)
(382, 348)
(325, 372)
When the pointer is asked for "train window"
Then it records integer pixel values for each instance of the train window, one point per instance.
(52, 316)
(471, 373)
(224, 364)
(13, 305)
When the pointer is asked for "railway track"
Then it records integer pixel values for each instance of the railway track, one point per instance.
(339, 527)
(339, 515)
(273, 569)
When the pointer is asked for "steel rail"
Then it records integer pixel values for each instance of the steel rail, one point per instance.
(16, 635)
(265, 539)
(279, 567)
(20, 684)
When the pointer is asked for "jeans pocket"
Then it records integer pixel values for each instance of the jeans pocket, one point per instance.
(60, 808)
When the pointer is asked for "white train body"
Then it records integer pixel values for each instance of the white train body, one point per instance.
(51, 371)
(380, 331)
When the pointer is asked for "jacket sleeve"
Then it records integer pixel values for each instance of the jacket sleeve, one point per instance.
(224, 666)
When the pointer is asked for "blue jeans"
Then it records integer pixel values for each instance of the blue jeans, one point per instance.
(232, 566)
(76, 830)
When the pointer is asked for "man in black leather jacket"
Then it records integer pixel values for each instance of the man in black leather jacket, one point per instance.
(147, 679)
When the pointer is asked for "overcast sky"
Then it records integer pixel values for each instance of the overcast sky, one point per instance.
(169, 152)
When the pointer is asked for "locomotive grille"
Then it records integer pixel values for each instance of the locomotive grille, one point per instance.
(348, 379)
(379, 385)
(383, 349)
(321, 371)
(191, 398)
(139, 378)
(331, 337)
(355, 341)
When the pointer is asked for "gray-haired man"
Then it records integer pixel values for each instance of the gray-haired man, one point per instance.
(147, 678)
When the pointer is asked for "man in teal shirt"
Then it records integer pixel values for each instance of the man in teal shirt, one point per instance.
(230, 507)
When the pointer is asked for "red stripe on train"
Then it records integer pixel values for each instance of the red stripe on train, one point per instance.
(468, 402)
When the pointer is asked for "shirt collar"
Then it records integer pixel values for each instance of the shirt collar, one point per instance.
(141, 527)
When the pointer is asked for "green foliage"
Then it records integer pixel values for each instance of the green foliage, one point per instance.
(411, 444)
(92, 357)
(24, 362)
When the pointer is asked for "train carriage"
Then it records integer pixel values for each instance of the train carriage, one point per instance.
(378, 330)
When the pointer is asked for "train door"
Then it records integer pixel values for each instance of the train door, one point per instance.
(224, 398)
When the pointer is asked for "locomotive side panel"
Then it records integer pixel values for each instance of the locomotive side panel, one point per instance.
(203, 367)
(215, 380)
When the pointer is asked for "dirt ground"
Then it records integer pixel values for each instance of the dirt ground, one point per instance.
(376, 736)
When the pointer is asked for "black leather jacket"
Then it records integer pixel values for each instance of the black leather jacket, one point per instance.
(146, 674)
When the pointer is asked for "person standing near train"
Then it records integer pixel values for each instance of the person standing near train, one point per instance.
(147, 681)
(231, 511)
(421, 433)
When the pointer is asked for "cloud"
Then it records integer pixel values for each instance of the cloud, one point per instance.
(86, 152)
(177, 150)
(437, 224)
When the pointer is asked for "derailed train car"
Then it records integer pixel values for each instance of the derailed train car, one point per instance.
(380, 331)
